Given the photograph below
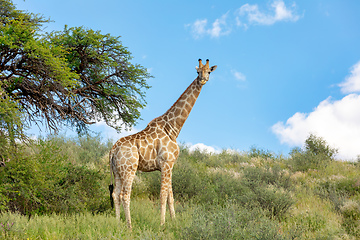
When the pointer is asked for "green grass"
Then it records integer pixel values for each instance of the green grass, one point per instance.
(145, 218)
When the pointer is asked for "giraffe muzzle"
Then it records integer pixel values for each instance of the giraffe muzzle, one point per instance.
(203, 81)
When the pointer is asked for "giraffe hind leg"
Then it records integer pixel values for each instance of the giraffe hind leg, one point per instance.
(116, 195)
(125, 196)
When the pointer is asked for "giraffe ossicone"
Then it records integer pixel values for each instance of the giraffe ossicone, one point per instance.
(154, 149)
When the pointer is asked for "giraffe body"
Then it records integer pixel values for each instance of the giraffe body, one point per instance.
(154, 149)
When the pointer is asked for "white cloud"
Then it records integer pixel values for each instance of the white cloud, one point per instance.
(282, 13)
(246, 15)
(352, 82)
(218, 28)
(338, 122)
(198, 28)
(239, 76)
(278, 12)
(202, 148)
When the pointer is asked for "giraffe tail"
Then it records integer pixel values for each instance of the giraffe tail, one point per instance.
(111, 189)
(111, 186)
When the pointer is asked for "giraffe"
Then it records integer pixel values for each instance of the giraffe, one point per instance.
(154, 149)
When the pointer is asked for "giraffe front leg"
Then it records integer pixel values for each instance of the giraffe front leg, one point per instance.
(165, 187)
(171, 202)
(163, 197)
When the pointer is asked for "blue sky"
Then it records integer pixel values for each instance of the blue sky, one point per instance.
(285, 68)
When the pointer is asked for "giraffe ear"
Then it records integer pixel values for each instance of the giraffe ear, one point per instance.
(196, 67)
(213, 68)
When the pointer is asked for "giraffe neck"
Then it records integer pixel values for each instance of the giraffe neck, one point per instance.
(176, 116)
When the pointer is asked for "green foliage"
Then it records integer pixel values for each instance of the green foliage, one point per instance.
(271, 190)
(26, 176)
(343, 186)
(11, 126)
(258, 152)
(230, 222)
(72, 77)
(267, 176)
(92, 149)
(344, 194)
(318, 146)
(188, 182)
(351, 214)
(61, 184)
(85, 150)
(317, 154)
(41, 180)
(107, 77)
(265, 188)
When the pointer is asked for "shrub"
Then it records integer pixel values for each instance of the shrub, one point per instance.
(224, 188)
(318, 146)
(303, 161)
(230, 222)
(275, 201)
(317, 154)
(83, 150)
(40, 180)
(225, 158)
(271, 190)
(91, 148)
(187, 181)
(258, 152)
(255, 176)
(351, 213)
(309, 222)
(28, 180)
(336, 196)
(343, 194)
(338, 190)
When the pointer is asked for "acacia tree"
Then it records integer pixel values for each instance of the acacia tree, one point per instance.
(75, 77)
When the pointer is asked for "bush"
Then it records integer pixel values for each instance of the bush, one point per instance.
(271, 190)
(256, 176)
(40, 179)
(317, 154)
(267, 188)
(258, 152)
(187, 181)
(336, 196)
(318, 146)
(344, 194)
(230, 222)
(83, 150)
(303, 161)
(225, 188)
(345, 186)
(351, 213)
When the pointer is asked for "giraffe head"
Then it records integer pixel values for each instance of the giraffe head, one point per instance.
(204, 71)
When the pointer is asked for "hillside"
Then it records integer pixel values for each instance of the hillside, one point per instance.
(56, 188)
